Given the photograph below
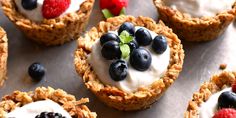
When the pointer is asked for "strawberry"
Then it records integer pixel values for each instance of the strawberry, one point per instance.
(225, 113)
(54, 8)
(114, 6)
(234, 87)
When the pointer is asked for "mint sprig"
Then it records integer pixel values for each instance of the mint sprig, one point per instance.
(125, 38)
(123, 11)
(107, 13)
(125, 49)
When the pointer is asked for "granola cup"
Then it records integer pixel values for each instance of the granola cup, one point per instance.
(216, 83)
(3, 56)
(50, 31)
(75, 108)
(112, 96)
(195, 29)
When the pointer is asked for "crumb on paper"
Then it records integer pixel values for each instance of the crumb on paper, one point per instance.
(223, 66)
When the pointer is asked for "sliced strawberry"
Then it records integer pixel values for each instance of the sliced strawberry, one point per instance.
(54, 8)
(114, 6)
(225, 113)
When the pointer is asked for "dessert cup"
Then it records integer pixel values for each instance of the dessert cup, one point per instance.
(113, 96)
(217, 83)
(50, 31)
(75, 108)
(3, 56)
(195, 28)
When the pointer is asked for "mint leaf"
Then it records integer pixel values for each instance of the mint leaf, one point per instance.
(107, 13)
(125, 50)
(125, 37)
(123, 11)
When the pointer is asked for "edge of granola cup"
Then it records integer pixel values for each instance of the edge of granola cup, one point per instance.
(75, 108)
(195, 29)
(50, 32)
(216, 83)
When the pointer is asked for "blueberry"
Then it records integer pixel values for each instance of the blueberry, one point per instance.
(133, 45)
(109, 37)
(49, 115)
(29, 4)
(227, 100)
(111, 50)
(36, 71)
(129, 27)
(140, 59)
(143, 37)
(118, 70)
(159, 44)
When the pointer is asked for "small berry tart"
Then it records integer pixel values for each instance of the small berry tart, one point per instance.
(128, 62)
(215, 99)
(49, 22)
(44, 103)
(3, 56)
(197, 20)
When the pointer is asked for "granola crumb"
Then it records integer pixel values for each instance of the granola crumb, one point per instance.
(223, 66)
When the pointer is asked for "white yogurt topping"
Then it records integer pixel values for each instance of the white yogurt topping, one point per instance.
(199, 8)
(35, 108)
(208, 108)
(135, 78)
(36, 14)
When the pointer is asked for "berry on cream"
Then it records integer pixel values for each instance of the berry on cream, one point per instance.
(33, 109)
(33, 8)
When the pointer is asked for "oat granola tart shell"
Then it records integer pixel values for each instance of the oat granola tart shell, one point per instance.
(113, 96)
(195, 29)
(3, 56)
(75, 108)
(52, 31)
(217, 83)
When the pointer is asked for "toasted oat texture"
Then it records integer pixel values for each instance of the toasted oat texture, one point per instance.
(53, 31)
(3, 56)
(113, 96)
(195, 29)
(216, 83)
(18, 99)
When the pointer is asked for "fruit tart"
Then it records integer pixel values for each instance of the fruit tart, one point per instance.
(44, 103)
(215, 99)
(197, 20)
(49, 22)
(3, 56)
(128, 62)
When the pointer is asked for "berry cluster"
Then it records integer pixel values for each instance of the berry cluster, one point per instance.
(227, 104)
(130, 43)
(49, 115)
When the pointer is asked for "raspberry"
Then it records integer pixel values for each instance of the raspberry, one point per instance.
(225, 113)
(54, 8)
(114, 6)
(234, 87)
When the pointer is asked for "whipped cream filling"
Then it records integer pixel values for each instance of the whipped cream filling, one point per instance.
(33, 109)
(135, 78)
(36, 14)
(209, 108)
(200, 8)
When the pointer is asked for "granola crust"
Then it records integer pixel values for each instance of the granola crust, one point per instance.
(3, 56)
(53, 31)
(216, 83)
(113, 96)
(76, 109)
(195, 29)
